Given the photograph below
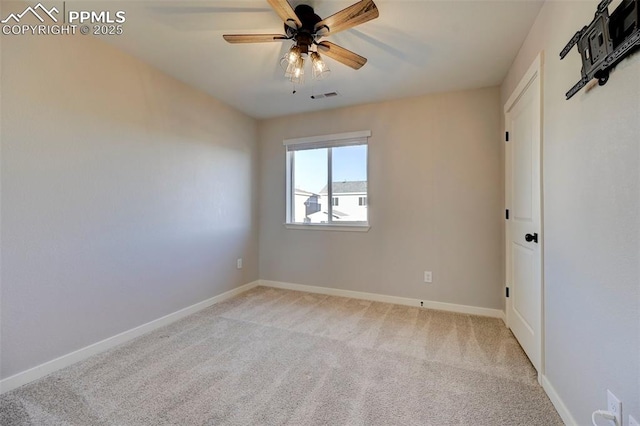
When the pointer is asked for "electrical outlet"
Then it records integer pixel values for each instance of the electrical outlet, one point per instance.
(614, 406)
(428, 278)
(632, 421)
(239, 263)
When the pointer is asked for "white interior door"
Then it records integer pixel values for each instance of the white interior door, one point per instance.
(524, 224)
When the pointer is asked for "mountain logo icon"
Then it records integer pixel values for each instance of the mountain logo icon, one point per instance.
(34, 11)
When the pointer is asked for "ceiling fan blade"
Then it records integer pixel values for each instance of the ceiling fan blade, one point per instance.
(356, 14)
(254, 38)
(342, 55)
(286, 13)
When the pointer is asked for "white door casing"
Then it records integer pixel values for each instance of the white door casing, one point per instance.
(523, 177)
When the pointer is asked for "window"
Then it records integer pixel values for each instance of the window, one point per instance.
(327, 180)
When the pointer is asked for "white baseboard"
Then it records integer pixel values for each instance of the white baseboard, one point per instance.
(49, 367)
(441, 306)
(557, 402)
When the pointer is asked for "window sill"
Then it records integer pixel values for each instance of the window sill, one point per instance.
(321, 227)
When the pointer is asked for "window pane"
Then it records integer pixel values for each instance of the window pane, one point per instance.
(309, 180)
(349, 175)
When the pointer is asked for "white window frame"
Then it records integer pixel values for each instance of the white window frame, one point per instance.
(318, 142)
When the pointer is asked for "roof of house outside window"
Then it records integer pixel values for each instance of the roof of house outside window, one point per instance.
(304, 192)
(347, 187)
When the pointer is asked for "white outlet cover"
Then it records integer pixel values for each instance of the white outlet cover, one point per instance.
(239, 263)
(614, 406)
(632, 421)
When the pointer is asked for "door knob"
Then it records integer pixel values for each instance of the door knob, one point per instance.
(531, 237)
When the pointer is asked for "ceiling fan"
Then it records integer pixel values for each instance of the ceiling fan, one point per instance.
(305, 28)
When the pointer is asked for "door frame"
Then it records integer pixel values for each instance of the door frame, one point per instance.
(532, 76)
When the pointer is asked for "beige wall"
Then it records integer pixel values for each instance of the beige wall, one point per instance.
(591, 163)
(126, 196)
(434, 202)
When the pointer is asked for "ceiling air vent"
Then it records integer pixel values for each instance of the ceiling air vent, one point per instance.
(325, 95)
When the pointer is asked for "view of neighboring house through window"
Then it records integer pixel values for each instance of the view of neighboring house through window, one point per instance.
(327, 180)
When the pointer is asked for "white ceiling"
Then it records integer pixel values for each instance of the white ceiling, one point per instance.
(413, 48)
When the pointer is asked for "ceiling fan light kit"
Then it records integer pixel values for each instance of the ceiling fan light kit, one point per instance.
(306, 28)
(319, 68)
(294, 70)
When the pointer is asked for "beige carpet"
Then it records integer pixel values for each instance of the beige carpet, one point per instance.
(271, 357)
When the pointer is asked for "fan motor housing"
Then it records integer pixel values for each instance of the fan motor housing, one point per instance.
(307, 17)
(304, 40)
(304, 36)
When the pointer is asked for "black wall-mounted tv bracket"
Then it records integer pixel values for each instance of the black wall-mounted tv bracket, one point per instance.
(606, 41)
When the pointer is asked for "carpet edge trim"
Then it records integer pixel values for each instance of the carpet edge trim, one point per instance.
(375, 297)
(63, 361)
